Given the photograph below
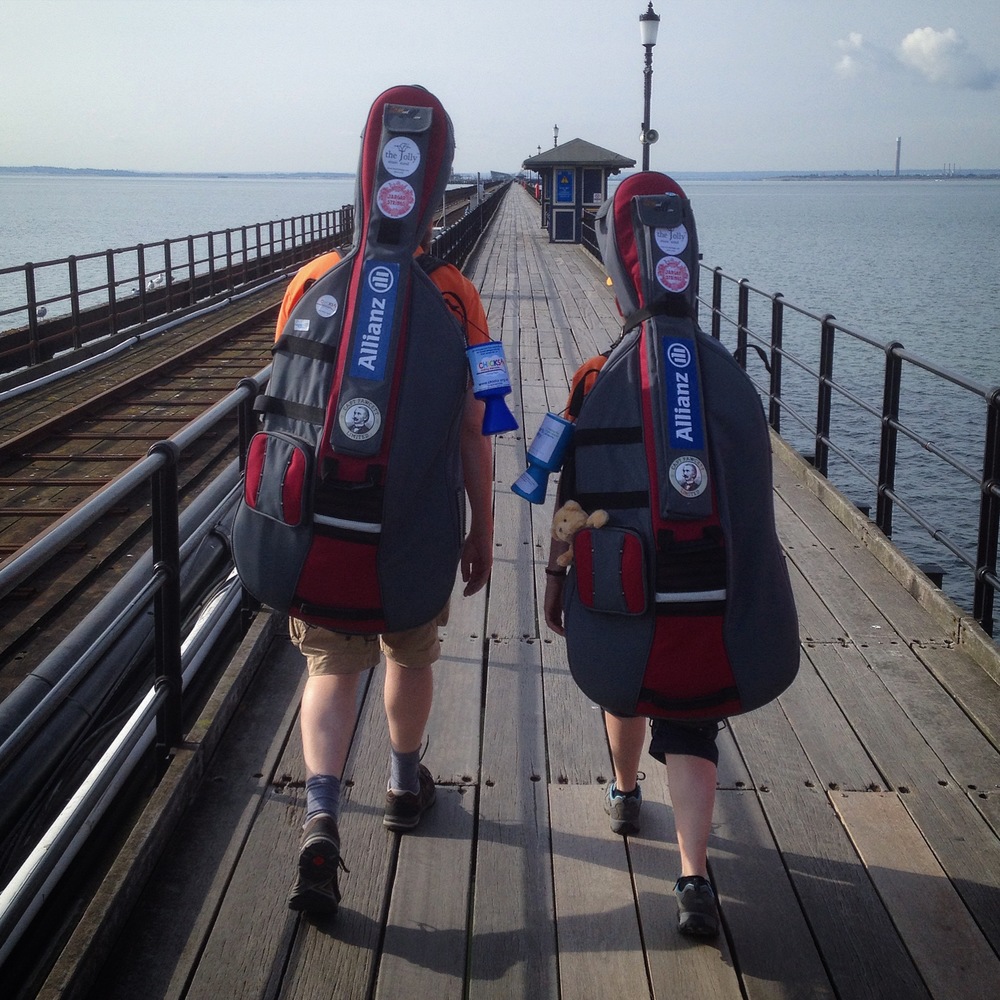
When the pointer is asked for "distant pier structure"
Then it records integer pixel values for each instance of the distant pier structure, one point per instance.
(899, 140)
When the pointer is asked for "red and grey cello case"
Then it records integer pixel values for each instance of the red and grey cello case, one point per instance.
(681, 606)
(353, 507)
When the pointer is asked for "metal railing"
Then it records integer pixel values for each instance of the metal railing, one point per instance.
(138, 627)
(52, 307)
(457, 242)
(850, 425)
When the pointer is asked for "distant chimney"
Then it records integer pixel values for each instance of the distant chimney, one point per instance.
(899, 139)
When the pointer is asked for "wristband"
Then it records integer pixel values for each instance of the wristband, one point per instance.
(555, 572)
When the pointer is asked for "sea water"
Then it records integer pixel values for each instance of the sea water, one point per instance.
(915, 261)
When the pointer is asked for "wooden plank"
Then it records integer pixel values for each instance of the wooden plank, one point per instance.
(600, 947)
(424, 952)
(678, 966)
(339, 957)
(453, 725)
(159, 941)
(895, 604)
(859, 945)
(826, 734)
(947, 947)
(770, 935)
(513, 944)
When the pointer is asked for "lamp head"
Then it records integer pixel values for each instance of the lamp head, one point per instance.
(649, 23)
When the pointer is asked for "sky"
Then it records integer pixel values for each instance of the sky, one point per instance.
(285, 85)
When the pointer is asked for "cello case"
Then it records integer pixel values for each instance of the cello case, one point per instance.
(352, 515)
(681, 606)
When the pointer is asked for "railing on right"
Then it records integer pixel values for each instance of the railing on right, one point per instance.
(888, 427)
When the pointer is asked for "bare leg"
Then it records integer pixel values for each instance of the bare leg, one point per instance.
(327, 718)
(692, 792)
(409, 692)
(626, 738)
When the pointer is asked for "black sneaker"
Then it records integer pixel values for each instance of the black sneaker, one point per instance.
(697, 914)
(404, 809)
(316, 890)
(623, 808)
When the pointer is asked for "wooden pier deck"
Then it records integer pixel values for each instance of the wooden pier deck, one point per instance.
(855, 846)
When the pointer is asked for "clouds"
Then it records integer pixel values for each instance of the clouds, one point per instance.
(941, 58)
(944, 57)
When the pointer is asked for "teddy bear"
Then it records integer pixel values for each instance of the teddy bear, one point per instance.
(568, 520)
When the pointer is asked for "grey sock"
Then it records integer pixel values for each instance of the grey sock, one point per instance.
(322, 795)
(403, 771)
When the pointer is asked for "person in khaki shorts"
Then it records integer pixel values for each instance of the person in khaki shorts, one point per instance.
(336, 661)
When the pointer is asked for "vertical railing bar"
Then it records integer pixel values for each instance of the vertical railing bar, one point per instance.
(824, 395)
(167, 603)
(112, 294)
(777, 339)
(888, 438)
(984, 596)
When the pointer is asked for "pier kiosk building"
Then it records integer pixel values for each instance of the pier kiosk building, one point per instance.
(574, 179)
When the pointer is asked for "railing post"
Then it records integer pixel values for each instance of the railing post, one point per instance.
(74, 299)
(777, 336)
(31, 300)
(742, 322)
(112, 294)
(168, 280)
(141, 254)
(984, 590)
(211, 264)
(717, 303)
(887, 445)
(824, 395)
(167, 603)
(192, 295)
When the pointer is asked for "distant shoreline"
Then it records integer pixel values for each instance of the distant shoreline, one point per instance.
(681, 175)
(204, 175)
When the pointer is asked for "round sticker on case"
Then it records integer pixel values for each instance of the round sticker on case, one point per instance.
(327, 306)
(401, 156)
(673, 274)
(688, 476)
(672, 241)
(396, 199)
(360, 418)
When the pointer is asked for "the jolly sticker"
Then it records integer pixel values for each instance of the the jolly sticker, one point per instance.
(400, 156)
(671, 241)
(396, 199)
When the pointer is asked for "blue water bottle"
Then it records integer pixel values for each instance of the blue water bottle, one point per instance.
(545, 456)
(490, 383)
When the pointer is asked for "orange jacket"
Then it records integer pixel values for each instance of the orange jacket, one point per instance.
(459, 293)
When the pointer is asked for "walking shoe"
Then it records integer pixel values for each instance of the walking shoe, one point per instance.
(404, 809)
(697, 914)
(623, 808)
(316, 890)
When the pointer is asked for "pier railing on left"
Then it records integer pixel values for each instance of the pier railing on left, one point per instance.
(51, 307)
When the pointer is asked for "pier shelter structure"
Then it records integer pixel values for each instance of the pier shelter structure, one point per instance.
(855, 842)
(574, 180)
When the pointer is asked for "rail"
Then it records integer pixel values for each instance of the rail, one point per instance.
(852, 427)
(140, 627)
(52, 307)
(147, 605)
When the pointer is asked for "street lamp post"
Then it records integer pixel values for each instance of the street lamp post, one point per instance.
(649, 23)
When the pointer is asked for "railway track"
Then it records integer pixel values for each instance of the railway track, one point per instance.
(62, 442)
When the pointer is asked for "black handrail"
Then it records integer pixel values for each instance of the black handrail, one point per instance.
(64, 304)
(822, 342)
(895, 361)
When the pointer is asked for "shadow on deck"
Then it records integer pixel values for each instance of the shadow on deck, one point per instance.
(855, 844)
